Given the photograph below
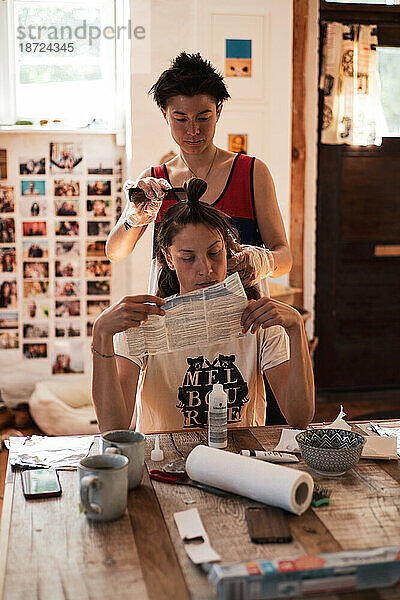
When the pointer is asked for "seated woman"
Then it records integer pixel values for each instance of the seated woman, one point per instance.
(194, 243)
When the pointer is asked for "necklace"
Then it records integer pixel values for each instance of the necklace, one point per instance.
(210, 167)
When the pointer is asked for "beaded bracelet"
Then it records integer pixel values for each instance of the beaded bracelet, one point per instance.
(100, 354)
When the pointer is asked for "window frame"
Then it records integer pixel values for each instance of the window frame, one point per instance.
(121, 67)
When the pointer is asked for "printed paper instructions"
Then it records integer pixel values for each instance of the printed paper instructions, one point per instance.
(201, 317)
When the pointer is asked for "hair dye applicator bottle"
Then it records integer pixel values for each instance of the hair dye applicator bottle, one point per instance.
(217, 417)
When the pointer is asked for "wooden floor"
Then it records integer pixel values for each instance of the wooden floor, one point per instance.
(357, 405)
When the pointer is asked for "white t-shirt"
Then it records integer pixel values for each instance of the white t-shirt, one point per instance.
(173, 388)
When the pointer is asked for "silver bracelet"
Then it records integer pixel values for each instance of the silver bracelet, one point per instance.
(100, 354)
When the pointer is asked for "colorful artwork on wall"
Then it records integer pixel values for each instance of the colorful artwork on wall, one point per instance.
(237, 142)
(238, 61)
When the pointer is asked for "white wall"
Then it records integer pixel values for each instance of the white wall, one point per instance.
(260, 107)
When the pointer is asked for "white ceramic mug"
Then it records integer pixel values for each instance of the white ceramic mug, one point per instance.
(130, 444)
(103, 486)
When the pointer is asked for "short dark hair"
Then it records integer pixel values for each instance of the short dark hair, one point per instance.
(189, 75)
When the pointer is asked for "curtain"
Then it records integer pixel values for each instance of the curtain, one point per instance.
(349, 79)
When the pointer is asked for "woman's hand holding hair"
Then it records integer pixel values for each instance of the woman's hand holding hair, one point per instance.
(267, 312)
(138, 214)
(252, 263)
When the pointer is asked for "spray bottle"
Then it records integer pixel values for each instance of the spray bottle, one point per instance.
(217, 417)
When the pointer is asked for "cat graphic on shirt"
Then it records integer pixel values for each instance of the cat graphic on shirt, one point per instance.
(198, 383)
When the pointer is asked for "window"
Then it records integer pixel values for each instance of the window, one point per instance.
(62, 61)
(389, 74)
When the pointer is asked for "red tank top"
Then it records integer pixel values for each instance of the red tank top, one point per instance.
(236, 199)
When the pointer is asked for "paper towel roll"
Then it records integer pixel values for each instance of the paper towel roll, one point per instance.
(261, 481)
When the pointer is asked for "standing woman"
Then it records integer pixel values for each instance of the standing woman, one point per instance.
(190, 95)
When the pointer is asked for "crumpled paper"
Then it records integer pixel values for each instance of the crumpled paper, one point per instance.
(339, 422)
(379, 448)
(60, 452)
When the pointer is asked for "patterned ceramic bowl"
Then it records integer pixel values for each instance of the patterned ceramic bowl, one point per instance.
(330, 452)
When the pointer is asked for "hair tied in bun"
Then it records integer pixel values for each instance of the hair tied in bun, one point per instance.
(194, 189)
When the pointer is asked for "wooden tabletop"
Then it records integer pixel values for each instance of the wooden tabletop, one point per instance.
(48, 550)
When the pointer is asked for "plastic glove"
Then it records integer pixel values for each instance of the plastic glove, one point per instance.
(139, 213)
(252, 263)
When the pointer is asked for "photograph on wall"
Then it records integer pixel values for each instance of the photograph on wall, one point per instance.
(67, 228)
(66, 208)
(7, 231)
(68, 250)
(34, 289)
(8, 339)
(237, 142)
(34, 228)
(34, 350)
(68, 308)
(8, 293)
(67, 288)
(65, 157)
(37, 330)
(97, 248)
(7, 203)
(98, 288)
(67, 268)
(3, 163)
(32, 166)
(99, 207)
(95, 307)
(67, 357)
(33, 188)
(237, 58)
(8, 260)
(63, 187)
(98, 228)
(35, 270)
(8, 319)
(118, 208)
(98, 268)
(99, 187)
(67, 328)
(97, 166)
(33, 207)
(35, 308)
(35, 249)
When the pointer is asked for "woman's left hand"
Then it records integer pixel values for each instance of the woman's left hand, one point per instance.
(252, 263)
(267, 312)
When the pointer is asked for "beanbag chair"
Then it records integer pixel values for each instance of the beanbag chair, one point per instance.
(64, 407)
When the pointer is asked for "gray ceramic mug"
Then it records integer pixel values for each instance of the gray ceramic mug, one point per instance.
(130, 444)
(103, 486)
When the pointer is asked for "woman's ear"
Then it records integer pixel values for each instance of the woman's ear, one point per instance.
(168, 259)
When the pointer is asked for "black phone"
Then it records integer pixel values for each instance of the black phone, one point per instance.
(268, 525)
(40, 483)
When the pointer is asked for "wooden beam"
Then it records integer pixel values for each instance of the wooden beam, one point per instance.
(298, 165)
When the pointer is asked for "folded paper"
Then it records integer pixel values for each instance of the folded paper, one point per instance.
(194, 536)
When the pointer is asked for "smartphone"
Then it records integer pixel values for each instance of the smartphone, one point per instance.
(40, 483)
(268, 525)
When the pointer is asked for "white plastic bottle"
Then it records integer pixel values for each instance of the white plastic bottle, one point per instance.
(217, 417)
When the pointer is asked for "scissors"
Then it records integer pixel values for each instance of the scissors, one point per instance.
(158, 475)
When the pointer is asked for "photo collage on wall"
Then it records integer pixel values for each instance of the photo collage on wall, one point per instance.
(54, 276)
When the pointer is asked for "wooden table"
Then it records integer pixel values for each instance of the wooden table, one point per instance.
(48, 550)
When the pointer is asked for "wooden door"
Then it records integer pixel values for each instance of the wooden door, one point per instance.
(358, 267)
